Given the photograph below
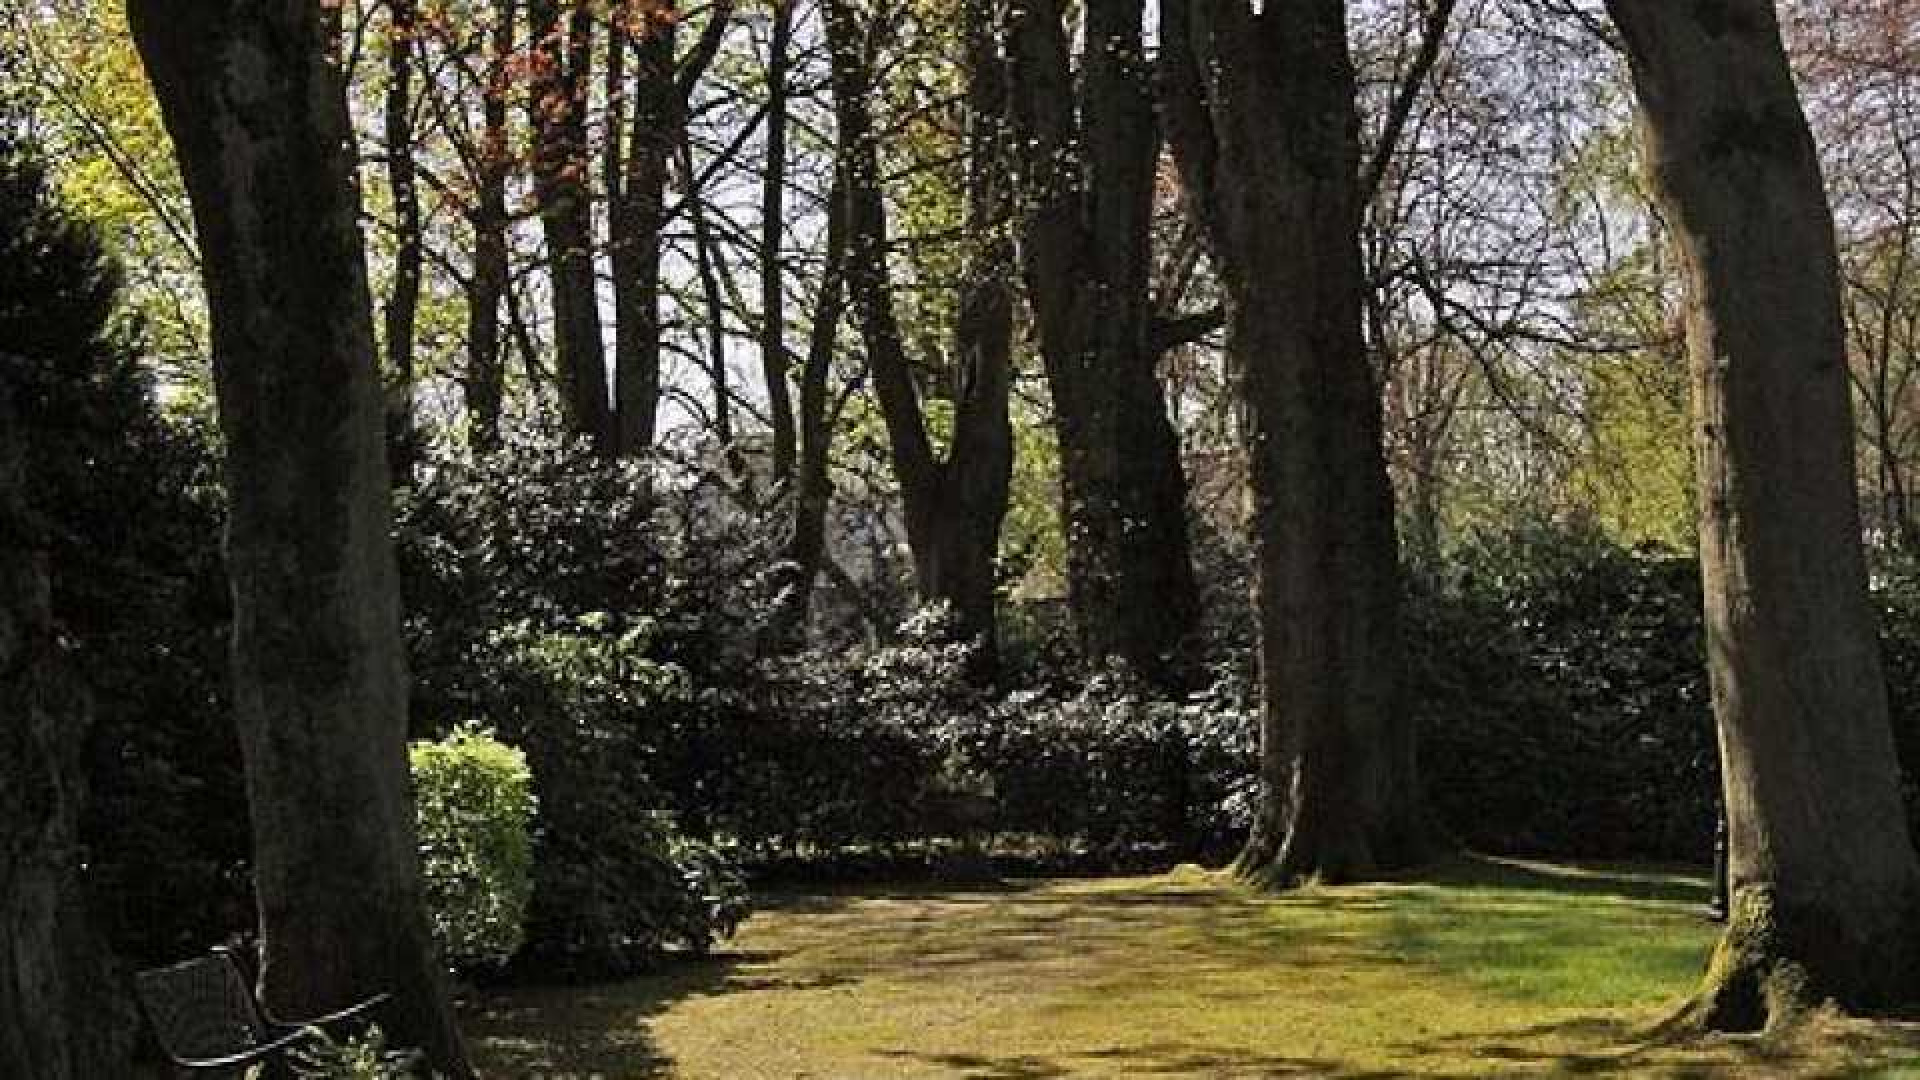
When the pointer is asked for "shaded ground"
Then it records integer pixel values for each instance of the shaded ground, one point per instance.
(1491, 966)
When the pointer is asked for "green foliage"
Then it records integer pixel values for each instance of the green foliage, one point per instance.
(615, 877)
(1896, 592)
(476, 807)
(1033, 547)
(1561, 688)
(130, 509)
(587, 619)
(359, 1057)
(890, 753)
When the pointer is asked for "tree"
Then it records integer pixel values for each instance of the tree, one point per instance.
(1261, 111)
(61, 1016)
(487, 285)
(954, 503)
(258, 117)
(561, 60)
(1086, 169)
(1825, 886)
(403, 305)
(773, 226)
(636, 165)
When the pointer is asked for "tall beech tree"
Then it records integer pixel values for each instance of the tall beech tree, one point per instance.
(954, 503)
(490, 163)
(773, 227)
(562, 57)
(1260, 108)
(258, 117)
(637, 158)
(403, 302)
(1825, 886)
(1088, 150)
(805, 547)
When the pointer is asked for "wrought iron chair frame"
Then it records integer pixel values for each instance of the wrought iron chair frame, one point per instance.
(248, 1017)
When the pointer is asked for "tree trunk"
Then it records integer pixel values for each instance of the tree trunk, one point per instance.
(259, 123)
(773, 226)
(486, 372)
(403, 305)
(1087, 166)
(560, 167)
(979, 468)
(706, 261)
(638, 223)
(637, 197)
(1339, 796)
(953, 506)
(1826, 892)
(60, 1018)
(806, 547)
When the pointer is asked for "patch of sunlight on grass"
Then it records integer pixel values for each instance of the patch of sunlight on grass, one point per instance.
(1484, 966)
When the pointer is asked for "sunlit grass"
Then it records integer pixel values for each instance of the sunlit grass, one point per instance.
(1483, 966)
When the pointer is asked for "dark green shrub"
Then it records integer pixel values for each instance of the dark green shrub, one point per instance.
(1896, 592)
(131, 503)
(1560, 684)
(611, 886)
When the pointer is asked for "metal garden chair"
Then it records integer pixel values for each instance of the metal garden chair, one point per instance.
(205, 1015)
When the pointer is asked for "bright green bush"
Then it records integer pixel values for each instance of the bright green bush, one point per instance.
(476, 808)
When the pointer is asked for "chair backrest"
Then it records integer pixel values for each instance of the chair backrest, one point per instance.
(201, 1008)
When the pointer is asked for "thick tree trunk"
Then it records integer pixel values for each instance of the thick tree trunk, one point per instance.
(1280, 144)
(1826, 892)
(259, 122)
(403, 305)
(953, 506)
(563, 54)
(965, 550)
(60, 1018)
(1087, 166)
(486, 372)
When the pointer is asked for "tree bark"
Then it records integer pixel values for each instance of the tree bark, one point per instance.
(806, 546)
(954, 505)
(259, 123)
(1086, 167)
(706, 262)
(403, 305)
(663, 84)
(562, 53)
(637, 223)
(485, 384)
(60, 1018)
(1276, 135)
(773, 226)
(1825, 888)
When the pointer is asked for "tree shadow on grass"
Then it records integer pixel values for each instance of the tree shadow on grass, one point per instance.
(1158, 1060)
(1677, 885)
(602, 1032)
(1827, 1046)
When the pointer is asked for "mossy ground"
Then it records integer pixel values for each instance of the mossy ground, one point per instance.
(1484, 966)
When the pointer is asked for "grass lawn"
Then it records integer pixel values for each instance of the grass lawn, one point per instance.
(1487, 966)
